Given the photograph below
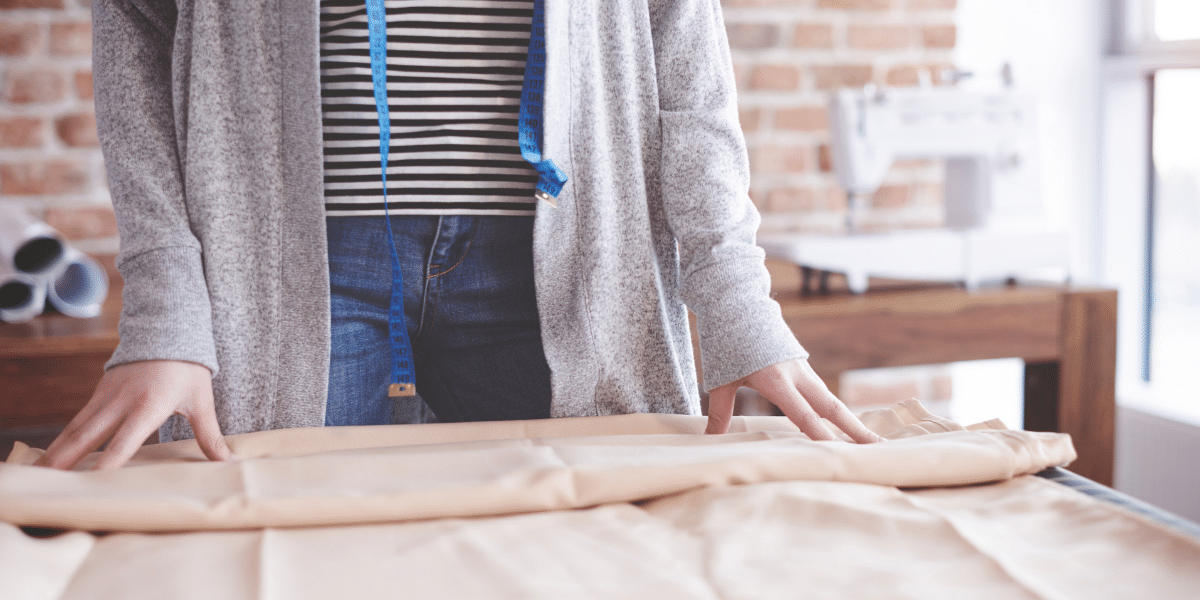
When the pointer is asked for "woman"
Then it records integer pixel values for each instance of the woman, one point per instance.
(211, 119)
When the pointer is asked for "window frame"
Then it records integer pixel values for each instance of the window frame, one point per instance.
(1140, 37)
(1126, 202)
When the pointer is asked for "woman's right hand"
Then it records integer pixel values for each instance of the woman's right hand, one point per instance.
(130, 403)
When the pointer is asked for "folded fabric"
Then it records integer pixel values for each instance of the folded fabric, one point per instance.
(370, 493)
(345, 476)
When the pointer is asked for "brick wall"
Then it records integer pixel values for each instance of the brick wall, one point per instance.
(788, 56)
(49, 155)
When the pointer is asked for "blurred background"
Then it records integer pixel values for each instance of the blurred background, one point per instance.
(1117, 88)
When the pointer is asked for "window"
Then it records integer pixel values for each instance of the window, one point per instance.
(1151, 200)
(1176, 20)
(1174, 283)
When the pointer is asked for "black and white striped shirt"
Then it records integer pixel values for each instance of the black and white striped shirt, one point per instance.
(455, 70)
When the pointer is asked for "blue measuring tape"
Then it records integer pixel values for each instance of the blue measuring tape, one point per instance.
(403, 376)
(529, 132)
(529, 129)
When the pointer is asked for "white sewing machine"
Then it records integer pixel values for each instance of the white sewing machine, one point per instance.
(994, 222)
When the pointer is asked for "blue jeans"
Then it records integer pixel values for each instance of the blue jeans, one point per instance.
(471, 313)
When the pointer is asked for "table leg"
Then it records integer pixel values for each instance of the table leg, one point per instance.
(1077, 393)
(1041, 396)
(1087, 380)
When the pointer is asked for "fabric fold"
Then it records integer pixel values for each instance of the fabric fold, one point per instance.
(351, 476)
(39, 569)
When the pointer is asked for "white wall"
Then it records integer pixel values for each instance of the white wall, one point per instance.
(1154, 461)
(1054, 47)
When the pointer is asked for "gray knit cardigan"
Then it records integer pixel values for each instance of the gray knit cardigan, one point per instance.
(210, 121)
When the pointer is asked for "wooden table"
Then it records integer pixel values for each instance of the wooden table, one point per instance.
(50, 366)
(1066, 335)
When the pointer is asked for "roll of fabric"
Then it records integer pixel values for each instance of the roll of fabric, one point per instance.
(78, 286)
(28, 245)
(22, 296)
(37, 264)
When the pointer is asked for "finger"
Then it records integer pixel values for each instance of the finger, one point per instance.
(70, 433)
(82, 436)
(789, 400)
(125, 443)
(141, 419)
(720, 408)
(203, 419)
(827, 405)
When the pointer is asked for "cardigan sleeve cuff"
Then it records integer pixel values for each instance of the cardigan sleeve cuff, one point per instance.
(741, 328)
(166, 314)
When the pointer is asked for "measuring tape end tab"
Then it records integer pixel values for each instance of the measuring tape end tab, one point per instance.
(547, 198)
(400, 390)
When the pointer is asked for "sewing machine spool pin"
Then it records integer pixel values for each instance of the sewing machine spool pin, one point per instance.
(853, 201)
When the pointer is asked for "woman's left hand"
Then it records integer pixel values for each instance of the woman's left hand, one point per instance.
(796, 389)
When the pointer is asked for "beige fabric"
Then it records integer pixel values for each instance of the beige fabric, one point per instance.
(341, 476)
(688, 536)
(1022, 539)
(37, 569)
